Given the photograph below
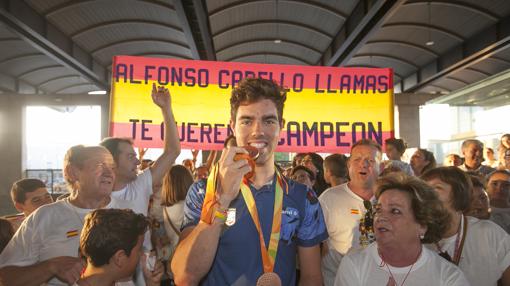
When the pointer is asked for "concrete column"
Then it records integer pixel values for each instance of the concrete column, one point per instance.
(409, 116)
(11, 130)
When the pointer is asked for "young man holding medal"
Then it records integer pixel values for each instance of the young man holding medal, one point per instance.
(246, 230)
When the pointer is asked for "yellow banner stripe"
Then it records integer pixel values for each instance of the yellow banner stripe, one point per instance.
(211, 105)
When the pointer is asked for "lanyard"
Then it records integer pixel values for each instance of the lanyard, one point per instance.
(269, 254)
(459, 243)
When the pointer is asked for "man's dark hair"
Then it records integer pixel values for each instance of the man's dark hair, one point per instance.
(477, 180)
(6, 233)
(251, 90)
(459, 182)
(399, 144)
(107, 231)
(112, 144)
(367, 142)
(428, 156)
(468, 142)
(311, 175)
(20, 189)
(337, 165)
(296, 161)
(503, 172)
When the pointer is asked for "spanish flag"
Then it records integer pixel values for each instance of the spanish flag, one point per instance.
(354, 211)
(72, 233)
(342, 104)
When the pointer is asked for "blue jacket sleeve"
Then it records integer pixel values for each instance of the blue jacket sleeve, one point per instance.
(312, 230)
(193, 204)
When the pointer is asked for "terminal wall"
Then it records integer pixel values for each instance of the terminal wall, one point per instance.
(12, 108)
(409, 116)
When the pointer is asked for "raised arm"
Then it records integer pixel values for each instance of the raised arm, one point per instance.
(172, 146)
(210, 159)
(198, 244)
(65, 268)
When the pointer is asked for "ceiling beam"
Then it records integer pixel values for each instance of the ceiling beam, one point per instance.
(45, 37)
(331, 9)
(426, 27)
(479, 47)
(195, 22)
(370, 66)
(485, 74)
(270, 41)
(297, 24)
(261, 53)
(111, 23)
(366, 18)
(404, 43)
(477, 9)
(12, 84)
(391, 57)
(147, 41)
(57, 78)
(38, 69)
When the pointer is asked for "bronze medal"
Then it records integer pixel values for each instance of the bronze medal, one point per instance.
(269, 279)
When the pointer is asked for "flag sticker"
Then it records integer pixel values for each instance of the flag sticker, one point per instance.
(72, 233)
(354, 211)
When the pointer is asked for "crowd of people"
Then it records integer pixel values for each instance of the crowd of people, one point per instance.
(242, 219)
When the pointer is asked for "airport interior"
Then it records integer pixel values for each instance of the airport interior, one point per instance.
(450, 62)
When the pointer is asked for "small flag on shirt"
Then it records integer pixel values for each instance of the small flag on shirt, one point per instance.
(72, 233)
(354, 211)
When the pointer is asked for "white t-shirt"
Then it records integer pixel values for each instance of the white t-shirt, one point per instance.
(486, 252)
(52, 230)
(342, 210)
(138, 192)
(501, 216)
(365, 268)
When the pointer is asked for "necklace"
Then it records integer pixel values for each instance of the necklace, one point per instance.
(392, 281)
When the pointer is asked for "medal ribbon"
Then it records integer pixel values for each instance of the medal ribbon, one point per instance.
(207, 214)
(459, 247)
(268, 254)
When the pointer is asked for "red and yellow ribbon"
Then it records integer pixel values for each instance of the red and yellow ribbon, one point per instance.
(208, 207)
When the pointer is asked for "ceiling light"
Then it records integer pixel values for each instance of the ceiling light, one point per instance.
(97, 92)
(277, 41)
(429, 43)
